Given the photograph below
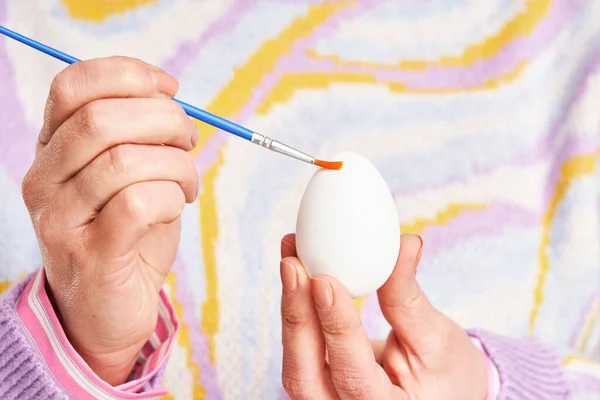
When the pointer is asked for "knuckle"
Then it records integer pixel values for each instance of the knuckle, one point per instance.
(134, 205)
(350, 383)
(90, 119)
(119, 159)
(294, 386)
(61, 87)
(28, 188)
(133, 73)
(44, 223)
(32, 190)
(294, 320)
(334, 325)
(413, 300)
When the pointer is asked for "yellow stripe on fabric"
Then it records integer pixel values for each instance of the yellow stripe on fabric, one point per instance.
(589, 326)
(573, 168)
(419, 225)
(570, 360)
(443, 217)
(292, 82)
(5, 285)
(228, 102)
(582, 365)
(210, 231)
(523, 24)
(185, 340)
(101, 10)
(238, 92)
(358, 303)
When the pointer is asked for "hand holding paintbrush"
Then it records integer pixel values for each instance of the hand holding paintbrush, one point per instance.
(105, 199)
(194, 112)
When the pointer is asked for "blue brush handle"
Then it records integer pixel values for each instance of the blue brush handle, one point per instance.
(190, 110)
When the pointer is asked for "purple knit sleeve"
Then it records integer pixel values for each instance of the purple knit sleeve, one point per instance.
(528, 370)
(22, 374)
(30, 368)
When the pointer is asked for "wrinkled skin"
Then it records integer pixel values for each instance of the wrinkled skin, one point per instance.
(110, 178)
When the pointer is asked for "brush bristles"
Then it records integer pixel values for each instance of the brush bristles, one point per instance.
(329, 164)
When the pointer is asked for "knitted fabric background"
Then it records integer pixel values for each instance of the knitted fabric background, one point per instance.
(483, 117)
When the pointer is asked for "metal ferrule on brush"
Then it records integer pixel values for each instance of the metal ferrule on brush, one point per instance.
(268, 143)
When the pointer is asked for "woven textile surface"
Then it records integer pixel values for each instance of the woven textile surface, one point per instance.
(482, 116)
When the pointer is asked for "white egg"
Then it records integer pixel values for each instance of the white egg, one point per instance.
(348, 226)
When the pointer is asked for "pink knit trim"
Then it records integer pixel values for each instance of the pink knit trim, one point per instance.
(70, 370)
(493, 378)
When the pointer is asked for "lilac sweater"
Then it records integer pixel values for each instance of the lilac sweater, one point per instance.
(527, 370)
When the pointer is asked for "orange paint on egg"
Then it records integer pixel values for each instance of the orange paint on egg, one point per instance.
(329, 164)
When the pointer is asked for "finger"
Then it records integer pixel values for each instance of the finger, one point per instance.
(101, 78)
(125, 165)
(378, 347)
(354, 370)
(402, 302)
(102, 124)
(131, 213)
(395, 362)
(304, 374)
(288, 246)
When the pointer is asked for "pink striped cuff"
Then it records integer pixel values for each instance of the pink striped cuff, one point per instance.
(493, 376)
(36, 314)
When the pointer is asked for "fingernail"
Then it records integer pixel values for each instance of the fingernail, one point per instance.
(289, 277)
(322, 293)
(285, 246)
(194, 139)
(420, 251)
(164, 82)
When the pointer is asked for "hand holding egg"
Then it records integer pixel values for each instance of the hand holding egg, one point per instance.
(353, 235)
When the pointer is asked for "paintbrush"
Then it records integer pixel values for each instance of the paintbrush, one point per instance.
(195, 112)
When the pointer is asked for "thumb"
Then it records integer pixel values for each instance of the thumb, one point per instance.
(403, 303)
